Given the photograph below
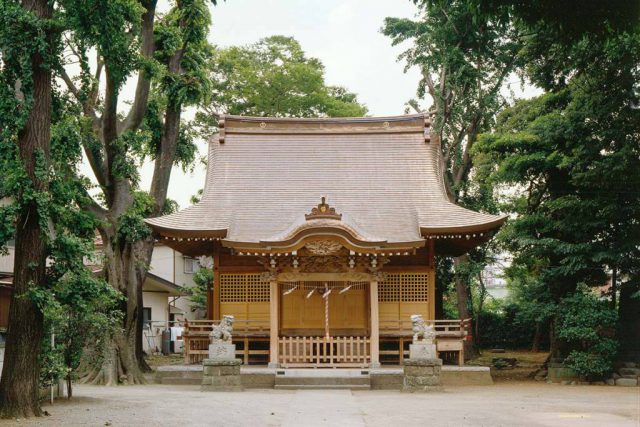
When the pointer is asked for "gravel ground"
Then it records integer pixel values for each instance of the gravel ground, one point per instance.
(504, 404)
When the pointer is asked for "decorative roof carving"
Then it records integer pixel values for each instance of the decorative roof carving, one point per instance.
(323, 211)
(323, 247)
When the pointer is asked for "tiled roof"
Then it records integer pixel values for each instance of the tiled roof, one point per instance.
(382, 174)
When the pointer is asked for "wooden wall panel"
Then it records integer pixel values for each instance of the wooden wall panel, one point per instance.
(258, 311)
(348, 310)
(402, 294)
(236, 309)
(409, 308)
(389, 311)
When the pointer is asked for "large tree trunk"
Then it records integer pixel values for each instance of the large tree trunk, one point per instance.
(145, 254)
(537, 338)
(629, 322)
(119, 362)
(465, 309)
(20, 386)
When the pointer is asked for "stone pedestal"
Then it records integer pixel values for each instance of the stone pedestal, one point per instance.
(422, 351)
(422, 375)
(222, 351)
(221, 375)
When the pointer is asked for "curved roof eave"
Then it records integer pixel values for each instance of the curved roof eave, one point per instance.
(480, 227)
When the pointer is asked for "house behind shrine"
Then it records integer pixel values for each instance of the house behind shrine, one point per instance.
(323, 234)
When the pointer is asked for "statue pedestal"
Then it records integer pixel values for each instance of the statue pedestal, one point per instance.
(221, 375)
(422, 351)
(222, 351)
(422, 375)
(221, 371)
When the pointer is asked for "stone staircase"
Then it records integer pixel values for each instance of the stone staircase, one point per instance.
(322, 379)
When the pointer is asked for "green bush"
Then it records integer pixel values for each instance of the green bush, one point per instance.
(504, 326)
(500, 364)
(587, 323)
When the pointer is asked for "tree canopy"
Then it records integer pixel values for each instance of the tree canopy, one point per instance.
(273, 78)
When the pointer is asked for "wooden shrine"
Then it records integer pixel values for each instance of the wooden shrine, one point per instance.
(323, 234)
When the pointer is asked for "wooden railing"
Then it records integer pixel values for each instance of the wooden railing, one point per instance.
(310, 351)
(444, 328)
(324, 352)
(196, 337)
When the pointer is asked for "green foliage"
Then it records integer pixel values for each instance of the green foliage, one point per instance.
(107, 25)
(273, 77)
(203, 279)
(504, 326)
(464, 57)
(500, 364)
(588, 324)
(131, 225)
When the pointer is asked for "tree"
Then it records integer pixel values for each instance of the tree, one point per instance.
(588, 323)
(27, 48)
(464, 57)
(168, 53)
(574, 157)
(273, 77)
(203, 279)
(79, 309)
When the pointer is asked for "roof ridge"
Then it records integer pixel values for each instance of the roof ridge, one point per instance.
(366, 119)
(408, 123)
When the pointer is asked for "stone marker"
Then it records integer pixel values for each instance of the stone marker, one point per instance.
(423, 369)
(221, 371)
(626, 382)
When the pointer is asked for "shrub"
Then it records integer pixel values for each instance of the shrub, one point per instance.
(587, 323)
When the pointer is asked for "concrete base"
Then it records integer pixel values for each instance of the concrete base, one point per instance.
(385, 378)
(422, 375)
(221, 375)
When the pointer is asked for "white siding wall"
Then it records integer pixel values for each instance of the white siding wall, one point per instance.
(158, 302)
(6, 261)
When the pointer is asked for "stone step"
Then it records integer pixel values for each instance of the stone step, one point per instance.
(177, 376)
(315, 380)
(323, 387)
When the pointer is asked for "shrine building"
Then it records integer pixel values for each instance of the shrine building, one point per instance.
(323, 234)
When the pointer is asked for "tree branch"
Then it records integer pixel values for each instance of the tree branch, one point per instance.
(147, 48)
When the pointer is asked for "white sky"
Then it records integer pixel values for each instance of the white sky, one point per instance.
(343, 34)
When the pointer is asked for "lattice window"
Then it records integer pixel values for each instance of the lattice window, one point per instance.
(404, 287)
(243, 288)
(257, 289)
(389, 290)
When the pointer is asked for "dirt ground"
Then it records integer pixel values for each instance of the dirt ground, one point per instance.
(527, 364)
(504, 404)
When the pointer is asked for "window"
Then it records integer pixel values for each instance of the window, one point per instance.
(191, 265)
(146, 317)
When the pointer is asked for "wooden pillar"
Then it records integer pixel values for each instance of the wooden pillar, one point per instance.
(375, 324)
(274, 314)
(431, 281)
(214, 294)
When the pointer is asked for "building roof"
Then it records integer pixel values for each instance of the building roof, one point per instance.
(154, 283)
(382, 176)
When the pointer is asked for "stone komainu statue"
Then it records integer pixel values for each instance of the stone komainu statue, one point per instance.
(421, 329)
(222, 332)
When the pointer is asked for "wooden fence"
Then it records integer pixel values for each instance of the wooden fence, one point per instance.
(324, 352)
(444, 328)
(196, 338)
(319, 351)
